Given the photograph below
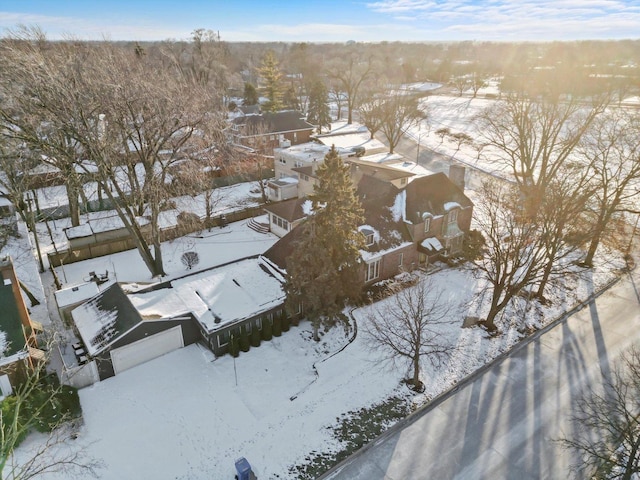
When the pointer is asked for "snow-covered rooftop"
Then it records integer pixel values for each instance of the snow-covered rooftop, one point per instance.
(217, 297)
(76, 294)
(341, 127)
(99, 225)
(432, 243)
(382, 157)
(349, 141)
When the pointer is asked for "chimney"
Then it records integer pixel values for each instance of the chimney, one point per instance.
(456, 175)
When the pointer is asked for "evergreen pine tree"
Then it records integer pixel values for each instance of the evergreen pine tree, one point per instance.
(250, 95)
(290, 99)
(272, 76)
(318, 113)
(325, 268)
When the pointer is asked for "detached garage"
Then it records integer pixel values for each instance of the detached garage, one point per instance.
(146, 349)
(117, 338)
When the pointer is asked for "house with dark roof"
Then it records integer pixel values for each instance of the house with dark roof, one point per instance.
(18, 342)
(408, 224)
(121, 330)
(265, 131)
(285, 216)
(115, 337)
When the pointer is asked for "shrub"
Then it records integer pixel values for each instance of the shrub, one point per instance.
(267, 332)
(256, 336)
(286, 322)
(244, 340)
(277, 325)
(234, 346)
(47, 407)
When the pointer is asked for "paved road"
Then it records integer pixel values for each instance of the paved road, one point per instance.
(501, 425)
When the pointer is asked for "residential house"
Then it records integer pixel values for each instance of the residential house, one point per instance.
(18, 342)
(266, 131)
(408, 224)
(115, 336)
(351, 137)
(120, 330)
(285, 216)
(223, 300)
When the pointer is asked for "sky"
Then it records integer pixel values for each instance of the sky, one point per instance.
(328, 20)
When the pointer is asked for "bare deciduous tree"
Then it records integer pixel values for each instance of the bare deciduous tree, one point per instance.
(607, 425)
(349, 75)
(535, 137)
(406, 327)
(612, 148)
(514, 252)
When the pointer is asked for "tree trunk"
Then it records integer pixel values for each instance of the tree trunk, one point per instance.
(545, 278)
(494, 310)
(593, 247)
(72, 198)
(416, 370)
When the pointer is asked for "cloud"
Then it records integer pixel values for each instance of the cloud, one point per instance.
(529, 19)
(58, 27)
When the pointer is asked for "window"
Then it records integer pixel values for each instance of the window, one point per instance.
(223, 338)
(369, 239)
(280, 222)
(403, 181)
(282, 161)
(453, 216)
(373, 270)
(258, 323)
(298, 164)
(400, 259)
(305, 178)
(369, 236)
(427, 224)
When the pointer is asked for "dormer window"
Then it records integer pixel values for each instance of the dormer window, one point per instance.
(369, 239)
(453, 216)
(427, 224)
(369, 236)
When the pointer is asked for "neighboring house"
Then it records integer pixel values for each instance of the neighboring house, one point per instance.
(297, 165)
(351, 136)
(121, 330)
(285, 216)
(18, 342)
(265, 131)
(69, 298)
(223, 300)
(408, 224)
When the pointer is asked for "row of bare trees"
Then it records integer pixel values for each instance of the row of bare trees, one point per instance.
(576, 166)
(101, 112)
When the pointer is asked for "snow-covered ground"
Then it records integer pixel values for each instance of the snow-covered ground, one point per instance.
(188, 415)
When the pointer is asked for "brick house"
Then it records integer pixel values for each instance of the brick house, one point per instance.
(409, 222)
(265, 131)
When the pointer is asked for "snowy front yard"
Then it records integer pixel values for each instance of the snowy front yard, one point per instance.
(187, 415)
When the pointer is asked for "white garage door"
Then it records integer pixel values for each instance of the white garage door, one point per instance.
(146, 349)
